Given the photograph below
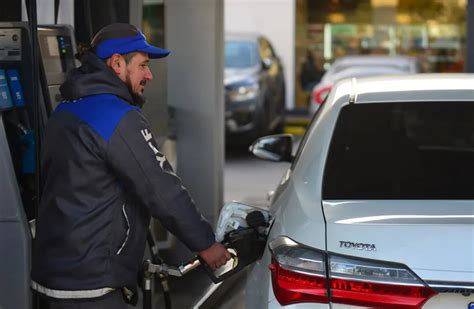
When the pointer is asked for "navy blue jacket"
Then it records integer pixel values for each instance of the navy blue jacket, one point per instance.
(102, 178)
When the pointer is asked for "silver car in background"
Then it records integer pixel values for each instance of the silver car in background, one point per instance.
(377, 207)
(360, 66)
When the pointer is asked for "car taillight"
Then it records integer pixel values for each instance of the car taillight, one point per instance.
(320, 95)
(377, 284)
(299, 275)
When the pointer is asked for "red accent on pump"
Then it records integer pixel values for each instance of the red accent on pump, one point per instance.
(292, 287)
(378, 295)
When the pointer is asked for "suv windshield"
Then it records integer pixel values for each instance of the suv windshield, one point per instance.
(402, 151)
(241, 54)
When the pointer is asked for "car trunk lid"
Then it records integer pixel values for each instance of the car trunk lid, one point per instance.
(433, 238)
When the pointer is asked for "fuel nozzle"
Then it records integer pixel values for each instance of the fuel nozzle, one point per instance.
(255, 219)
(246, 235)
(235, 216)
(242, 229)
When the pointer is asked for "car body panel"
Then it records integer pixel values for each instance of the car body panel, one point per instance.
(295, 213)
(439, 301)
(232, 75)
(449, 300)
(407, 232)
(259, 291)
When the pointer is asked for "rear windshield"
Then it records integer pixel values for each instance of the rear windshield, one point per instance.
(241, 54)
(402, 151)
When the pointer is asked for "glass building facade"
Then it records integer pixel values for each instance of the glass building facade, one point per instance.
(433, 31)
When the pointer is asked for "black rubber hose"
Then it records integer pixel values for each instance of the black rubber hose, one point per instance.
(33, 23)
(166, 291)
(155, 259)
(147, 299)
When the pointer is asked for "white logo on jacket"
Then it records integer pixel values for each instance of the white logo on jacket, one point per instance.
(159, 156)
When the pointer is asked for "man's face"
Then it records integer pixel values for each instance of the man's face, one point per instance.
(137, 73)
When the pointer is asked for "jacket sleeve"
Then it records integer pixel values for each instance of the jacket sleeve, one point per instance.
(146, 175)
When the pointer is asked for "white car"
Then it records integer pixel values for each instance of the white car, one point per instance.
(377, 208)
(403, 63)
(360, 66)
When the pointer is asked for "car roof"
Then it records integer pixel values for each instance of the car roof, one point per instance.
(405, 62)
(363, 71)
(406, 88)
(373, 59)
(242, 36)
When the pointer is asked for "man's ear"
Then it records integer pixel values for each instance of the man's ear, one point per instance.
(116, 63)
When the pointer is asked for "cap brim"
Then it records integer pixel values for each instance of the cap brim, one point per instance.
(125, 45)
(155, 52)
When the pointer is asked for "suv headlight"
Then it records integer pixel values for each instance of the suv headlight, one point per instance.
(244, 93)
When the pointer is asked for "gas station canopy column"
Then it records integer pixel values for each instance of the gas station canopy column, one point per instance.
(195, 36)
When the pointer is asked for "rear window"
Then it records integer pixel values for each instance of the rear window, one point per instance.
(402, 151)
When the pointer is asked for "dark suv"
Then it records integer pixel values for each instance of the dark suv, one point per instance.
(254, 88)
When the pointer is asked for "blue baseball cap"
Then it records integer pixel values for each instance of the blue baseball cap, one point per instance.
(120, 38)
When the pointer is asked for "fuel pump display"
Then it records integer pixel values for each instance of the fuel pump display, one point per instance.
(57, 46)
(10, 42)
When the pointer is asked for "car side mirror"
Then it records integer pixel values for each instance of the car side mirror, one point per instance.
(267, 63)
(273, 148)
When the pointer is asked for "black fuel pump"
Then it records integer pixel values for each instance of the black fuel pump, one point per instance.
(18, 111)
(21, 116)
(18, 189)
(25, 102)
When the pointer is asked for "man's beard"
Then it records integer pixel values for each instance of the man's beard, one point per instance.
(138, 98)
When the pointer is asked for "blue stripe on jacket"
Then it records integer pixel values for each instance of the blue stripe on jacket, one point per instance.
(102, 112)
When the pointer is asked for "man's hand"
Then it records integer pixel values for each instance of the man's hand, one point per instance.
(215, 256)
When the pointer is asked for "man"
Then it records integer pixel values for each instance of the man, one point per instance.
(103, 177)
